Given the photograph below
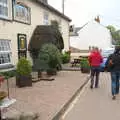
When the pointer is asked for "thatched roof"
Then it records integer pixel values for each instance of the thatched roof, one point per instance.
(45, 34)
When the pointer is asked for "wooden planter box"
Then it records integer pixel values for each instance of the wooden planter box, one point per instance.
(52, 72)
(23, 81)
(85, 70)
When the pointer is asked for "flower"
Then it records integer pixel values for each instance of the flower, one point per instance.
(1, 79)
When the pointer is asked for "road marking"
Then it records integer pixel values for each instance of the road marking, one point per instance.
(75, 101)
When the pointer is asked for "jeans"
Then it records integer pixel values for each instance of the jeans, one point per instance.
(95, 71)
(115, 77)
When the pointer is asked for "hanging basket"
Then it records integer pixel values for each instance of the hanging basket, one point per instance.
(3, 95)
(1, 79)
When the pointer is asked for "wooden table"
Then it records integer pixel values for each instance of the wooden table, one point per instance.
(75, 62)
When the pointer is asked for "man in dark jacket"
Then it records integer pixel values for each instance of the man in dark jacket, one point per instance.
(113, 65)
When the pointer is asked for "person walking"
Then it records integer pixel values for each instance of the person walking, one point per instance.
(95, 59)
(113, 66)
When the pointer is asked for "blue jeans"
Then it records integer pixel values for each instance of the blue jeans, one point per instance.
(115, 77)
(95, 71)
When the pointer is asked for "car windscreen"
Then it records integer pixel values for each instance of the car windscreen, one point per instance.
(106, 53)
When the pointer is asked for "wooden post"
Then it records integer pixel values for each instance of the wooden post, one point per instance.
(8, 88)
(0, 114)
(63, 6)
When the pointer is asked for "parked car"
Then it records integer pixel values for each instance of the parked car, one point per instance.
(105, 54)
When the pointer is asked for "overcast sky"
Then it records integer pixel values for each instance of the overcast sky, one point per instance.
(82, 11)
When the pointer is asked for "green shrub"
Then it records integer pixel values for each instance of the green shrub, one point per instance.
(24, 67)
(84, 63)
(8, 74)
(50, 55)
(65, 57)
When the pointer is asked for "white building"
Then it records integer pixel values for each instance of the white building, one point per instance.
(19, 18)
(91, 34)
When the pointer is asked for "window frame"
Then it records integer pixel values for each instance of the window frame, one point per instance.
(6, 51)
(3, 16)
(21, 6)
(46, 21)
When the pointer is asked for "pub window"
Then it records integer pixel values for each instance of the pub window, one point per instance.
(3, 8)
(46, 19)
(5, 52)
(22, 13)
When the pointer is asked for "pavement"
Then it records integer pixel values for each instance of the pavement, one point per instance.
(68, 67)
(47, 98)
(95, 104)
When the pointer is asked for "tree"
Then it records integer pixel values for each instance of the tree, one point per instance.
(115, 34)
(111, 28)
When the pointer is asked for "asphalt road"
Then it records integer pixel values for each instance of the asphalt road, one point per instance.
(95, 104)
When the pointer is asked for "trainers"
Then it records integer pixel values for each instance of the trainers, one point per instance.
(91, 87)
(114, 97)
(96, 86)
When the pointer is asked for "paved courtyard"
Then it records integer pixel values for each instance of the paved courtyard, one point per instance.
(45, 97)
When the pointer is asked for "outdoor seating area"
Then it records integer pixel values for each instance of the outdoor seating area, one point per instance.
(75, 62)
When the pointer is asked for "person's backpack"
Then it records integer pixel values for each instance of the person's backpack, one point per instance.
(109, 63)
(113, 62)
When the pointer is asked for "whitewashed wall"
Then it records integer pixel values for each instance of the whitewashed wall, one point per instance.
(92, 34)
(10, 29)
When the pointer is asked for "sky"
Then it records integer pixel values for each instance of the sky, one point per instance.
(83, 11)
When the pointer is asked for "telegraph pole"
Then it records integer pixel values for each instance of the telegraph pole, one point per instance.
(63, 6)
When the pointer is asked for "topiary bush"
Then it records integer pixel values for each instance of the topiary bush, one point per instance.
(50, 55)
(24, 67)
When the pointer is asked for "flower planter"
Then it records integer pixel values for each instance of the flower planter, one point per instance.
(52, 72)
(24, 69)
(23, 81)
(85, 70)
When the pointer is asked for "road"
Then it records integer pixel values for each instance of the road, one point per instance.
(95, 104)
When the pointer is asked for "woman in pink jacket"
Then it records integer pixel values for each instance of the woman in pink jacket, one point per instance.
(95, 59)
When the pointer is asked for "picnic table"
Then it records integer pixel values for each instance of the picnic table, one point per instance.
(75, 62)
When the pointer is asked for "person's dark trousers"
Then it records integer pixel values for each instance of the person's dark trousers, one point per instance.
(95, 71)
(115, 77)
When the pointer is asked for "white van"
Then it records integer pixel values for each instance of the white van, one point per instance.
(106, 52)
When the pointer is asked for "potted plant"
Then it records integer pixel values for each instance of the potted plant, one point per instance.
(52, 58)
(84, 64)
(66, 57)
(24, 69)
(52, 70)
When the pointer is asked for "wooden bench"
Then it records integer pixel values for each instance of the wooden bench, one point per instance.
(75, 62)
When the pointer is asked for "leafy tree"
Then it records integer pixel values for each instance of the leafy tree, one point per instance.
(115, 34)
(111, 28)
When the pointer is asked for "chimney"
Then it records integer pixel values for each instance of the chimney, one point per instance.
(71, 28)
(97, 19)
